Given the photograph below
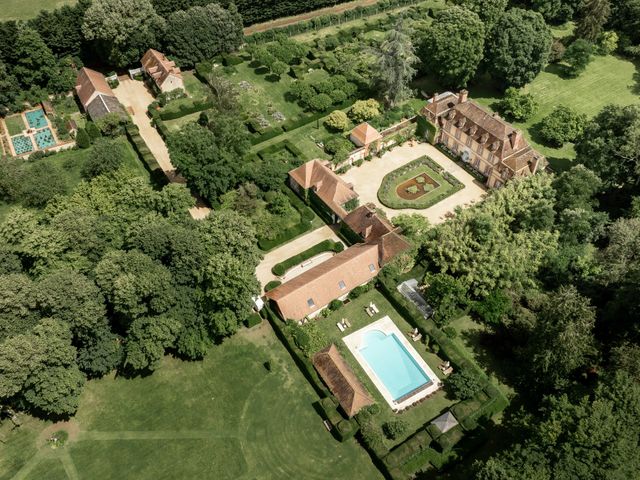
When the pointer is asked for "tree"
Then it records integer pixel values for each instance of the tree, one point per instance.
(518, 48)
(147, 339)
(556, 11)
(279, 68)
(93, 131)
(464, 384)
(608, 146)
(364, 110)
(593, 15)
(414, 226)
(452, 46)
(489, 11)
(626, 357)
(577, 56)
(106, 156)
(320, 102)
(337, 120)
(35, 64)
(446, 295)
(42, 184)
(61, 29)
(563, 337)
(493, 308)
(562, 125)
(111, 124)
(607, 43)
(122, 29)
(82, 138)
(18, 308)
(100, 353)
(9, 90)
(577, 188)
(517, 105)
(396, 59)
(202, 32)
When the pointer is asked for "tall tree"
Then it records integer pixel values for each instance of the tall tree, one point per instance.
(563, 337)
(9, 90)
(122, 29)
(201, 33)
(489, 11)
(518, 48)
(35, 63)
(61, 29)
(452, 46)
(593, 15)
(557, 11)
(396, 59)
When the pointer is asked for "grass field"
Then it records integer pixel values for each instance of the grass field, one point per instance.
(26, 9)
(225, 418)
(354, 311)
(15, 124)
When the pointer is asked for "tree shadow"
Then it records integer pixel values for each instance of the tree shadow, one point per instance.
(272, 78)
(254, 64)
(261, 70)
(491, 353)
(635, 88)
(558, 69)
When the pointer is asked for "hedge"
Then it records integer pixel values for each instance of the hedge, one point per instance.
(139, 145)
(272, 284)
(346, 429)
(406, 450)
(253, 320)
(268, 134)
(184, 110)
(324, 246)
(303, 363)
(447, 440)
(280, 146)
(467, 167)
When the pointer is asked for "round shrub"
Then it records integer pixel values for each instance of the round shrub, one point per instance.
(338, 247)
(364, 110)
(394, 428)
(463, 384)
(337, 120)
(335, 304)
(278, 269)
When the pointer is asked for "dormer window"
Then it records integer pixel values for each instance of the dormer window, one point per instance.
(311, 303)
(342, 285)
(372, 267)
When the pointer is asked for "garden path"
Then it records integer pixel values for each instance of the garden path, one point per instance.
(136, 97)
(367, 179)
(300, 244)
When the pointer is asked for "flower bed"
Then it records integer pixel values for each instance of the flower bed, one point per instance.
(419, 184)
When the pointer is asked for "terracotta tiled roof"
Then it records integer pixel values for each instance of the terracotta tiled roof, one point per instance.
(159, 66)
(89, 84)
(441, 103)
(364, 134)
(331, 189)
(321, 284)
(341, 380)
(365, 222)
(390, 245)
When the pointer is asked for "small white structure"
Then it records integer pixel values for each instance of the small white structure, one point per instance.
(164, 72)
(445, 422)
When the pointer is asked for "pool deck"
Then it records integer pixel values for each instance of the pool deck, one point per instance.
(355, 342)
(30, 133)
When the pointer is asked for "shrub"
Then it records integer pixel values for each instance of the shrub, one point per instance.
(394, 428)
(517, 105)
(464, 384)
(345, 429)
(335, 304)
(413, 189)
(337, 120)
(82, 138)
(607, 42)
(577, 56)
(272, 284)
(359, 290)
(92, 130)
(373, 437)
(450, 332)
(320, 103)
(364, 110)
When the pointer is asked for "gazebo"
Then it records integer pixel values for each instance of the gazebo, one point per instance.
(445, 422)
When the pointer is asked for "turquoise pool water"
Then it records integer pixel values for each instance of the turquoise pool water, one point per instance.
(392, 363)
(44, 138)
(22, 144)
(36, 119)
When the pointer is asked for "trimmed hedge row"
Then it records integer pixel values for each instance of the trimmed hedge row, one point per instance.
(407, 449)
(280, 146)
(272, 284)
(253, 320)
(184, 110)
(139, 145)
(447, 440)
(324, 246)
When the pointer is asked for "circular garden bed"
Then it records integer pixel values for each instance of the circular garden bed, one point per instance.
(419, 184)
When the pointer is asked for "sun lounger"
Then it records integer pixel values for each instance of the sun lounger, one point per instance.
(369, 311)
(373, 307)
(448, 371)
(327, 425)
(340, 326)
(417, 337)
(346, 322)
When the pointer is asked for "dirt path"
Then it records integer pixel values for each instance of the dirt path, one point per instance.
(283, 22)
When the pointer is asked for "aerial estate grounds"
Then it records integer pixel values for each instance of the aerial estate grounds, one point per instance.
(227, 417)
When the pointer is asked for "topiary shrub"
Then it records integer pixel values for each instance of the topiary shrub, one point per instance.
(253, 320)
(278, 269)
(82, 138)
(272, 284)
(335, 305)
(394, 428)
(338, 247)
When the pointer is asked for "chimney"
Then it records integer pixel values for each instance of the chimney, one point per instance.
(433, 97)
(462, 96)
(367, 231)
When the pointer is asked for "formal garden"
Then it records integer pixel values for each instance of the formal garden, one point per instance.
(417, 185)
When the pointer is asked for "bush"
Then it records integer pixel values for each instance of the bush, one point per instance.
(346, 429)
(394, 428)
(93, 131)
(359, 290)
(448, 440)
(464, 384)
(272, 284)
(320, 103)
(253, 320)
(364, 110)
(337, 120)
(335, 305)
(82, 138)
(577, 56)
(450, 332)
(373, 437)
(562, 125)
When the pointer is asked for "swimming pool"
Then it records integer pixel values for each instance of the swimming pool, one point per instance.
(44, 138)
(36, 119)
(22, 144)
(392, 363)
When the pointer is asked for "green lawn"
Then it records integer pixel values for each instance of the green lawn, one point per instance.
(194, 87)
(26, 9)
(225, 417)
(15, 124)
(388, 192)
(178, 123)
(354, 311)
